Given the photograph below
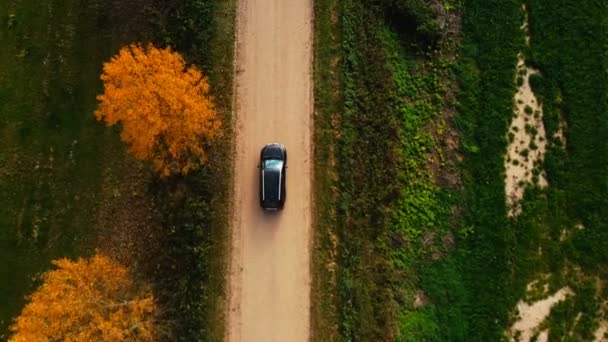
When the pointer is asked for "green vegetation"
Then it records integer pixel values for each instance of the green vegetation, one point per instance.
(492, 41)
(502, 256)
(190, 275)
(571, 56)
(412, 256)
(380, 214)
(68, 186)
(53, 152)
(368, 166)
(327, 97)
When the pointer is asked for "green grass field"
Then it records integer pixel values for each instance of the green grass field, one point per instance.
(67, 185)
(52, 150)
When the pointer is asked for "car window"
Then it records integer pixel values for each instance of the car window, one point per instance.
(273, 164)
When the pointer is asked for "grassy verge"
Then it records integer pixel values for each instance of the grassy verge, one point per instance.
(327, 93)
(193, 261)
(380, 214)
(68, 186)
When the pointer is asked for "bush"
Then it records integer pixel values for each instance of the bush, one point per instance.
(419, 326)
(420, 17)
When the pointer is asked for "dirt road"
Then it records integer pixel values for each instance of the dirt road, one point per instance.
(269, 280)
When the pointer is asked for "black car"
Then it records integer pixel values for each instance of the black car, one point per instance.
(273, 165)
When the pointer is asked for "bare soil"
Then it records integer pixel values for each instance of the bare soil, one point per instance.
(269, 276)
(531, 316)
(526, 136)
(521, 157)
(601, 334)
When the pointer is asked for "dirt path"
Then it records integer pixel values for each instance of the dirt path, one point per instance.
(269, 280)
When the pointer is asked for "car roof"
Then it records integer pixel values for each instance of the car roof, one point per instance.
(272, 188)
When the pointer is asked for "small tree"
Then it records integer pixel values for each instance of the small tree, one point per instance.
(87, 300)
(165, 109)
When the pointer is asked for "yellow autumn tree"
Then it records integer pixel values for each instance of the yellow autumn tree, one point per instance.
(87, 300)
(165, 109)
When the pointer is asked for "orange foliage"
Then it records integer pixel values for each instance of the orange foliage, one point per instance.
(165, 109)
(87, 300)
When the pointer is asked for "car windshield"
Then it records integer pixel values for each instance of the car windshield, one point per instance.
(273, 164)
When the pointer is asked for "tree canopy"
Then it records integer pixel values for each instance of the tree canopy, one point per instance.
(87, 300)
(165, 109)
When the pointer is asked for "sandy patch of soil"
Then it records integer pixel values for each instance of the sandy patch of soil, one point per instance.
(559, 134)
(526, 136)
(543, 336)
(532, 315)
(601, 334)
